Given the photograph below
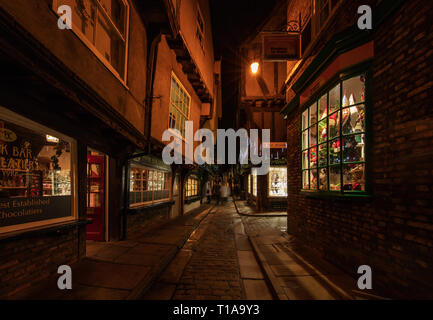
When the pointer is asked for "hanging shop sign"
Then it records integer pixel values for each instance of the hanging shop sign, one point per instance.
(281, 47)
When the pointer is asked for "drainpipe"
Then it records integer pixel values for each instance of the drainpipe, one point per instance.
(152, 58)
(150, 76)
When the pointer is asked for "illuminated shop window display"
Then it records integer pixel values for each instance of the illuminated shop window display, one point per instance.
(333, 139)
(36, 176)
(191, 187)
(277, 182)
(147, 185)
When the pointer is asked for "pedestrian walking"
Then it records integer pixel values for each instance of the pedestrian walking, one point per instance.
(224, 192)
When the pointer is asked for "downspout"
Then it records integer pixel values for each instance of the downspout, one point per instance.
(151, 80)
(150, 76)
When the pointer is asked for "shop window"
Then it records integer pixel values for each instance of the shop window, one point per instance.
(254, 182)
(148, 185)
(36, 176)
(277, 182)
(249, 184)
(191, 188)
(103, 26)
(180, 102)
(333, 139)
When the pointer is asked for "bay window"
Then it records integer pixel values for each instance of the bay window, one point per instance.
(36, 174)
(180, 102)
(333, 139)
(148, 185)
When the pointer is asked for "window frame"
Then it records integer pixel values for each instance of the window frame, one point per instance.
(353, 71)
(200, 31)
(92, 47)
(171, 104)
(13, 117)
(166, 182)
(195, 185)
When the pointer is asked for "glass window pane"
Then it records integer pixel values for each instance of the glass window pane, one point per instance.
(313, 114)
(323, 107)
(334, 99)
(323, 179)
(334, 152)
(354, 91)
(305, 180)
(323, 155)
(355, 119)
(354, 148)
(323, 132)
(313, 157)
(313, 179)
(277, 182)
(305, 160)
(334, 125)
(335, 178)
(305, 123)
(313, 135)
(354, 177)
(305, 140)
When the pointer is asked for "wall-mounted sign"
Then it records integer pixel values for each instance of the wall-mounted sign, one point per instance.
(281, 47)
(275, 145)
(23, 210)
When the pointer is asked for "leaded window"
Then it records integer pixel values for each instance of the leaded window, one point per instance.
(333, 139)
(180, 102)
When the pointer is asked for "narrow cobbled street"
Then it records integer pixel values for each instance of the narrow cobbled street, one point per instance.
(217, 262)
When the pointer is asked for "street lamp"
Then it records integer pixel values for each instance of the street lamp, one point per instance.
(254, 67)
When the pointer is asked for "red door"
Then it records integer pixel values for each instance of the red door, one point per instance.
(96, 197)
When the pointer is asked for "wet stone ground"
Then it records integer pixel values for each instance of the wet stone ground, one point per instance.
(216, 263)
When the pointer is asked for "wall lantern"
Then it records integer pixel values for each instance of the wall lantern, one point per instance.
(254, 67)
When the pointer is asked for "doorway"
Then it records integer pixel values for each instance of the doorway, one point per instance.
(96, 191)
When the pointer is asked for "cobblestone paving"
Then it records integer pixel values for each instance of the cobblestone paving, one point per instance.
(213, 270)
(265, 224)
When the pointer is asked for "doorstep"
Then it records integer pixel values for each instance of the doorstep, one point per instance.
(121, 270)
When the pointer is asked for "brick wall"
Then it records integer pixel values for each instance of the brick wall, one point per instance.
(25, 261)
(146, 219)
(393, 231)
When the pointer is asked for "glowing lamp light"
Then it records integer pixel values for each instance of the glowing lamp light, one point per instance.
(254, 67)
(52, 139)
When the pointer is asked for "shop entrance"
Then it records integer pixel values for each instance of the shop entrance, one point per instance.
(96, 195)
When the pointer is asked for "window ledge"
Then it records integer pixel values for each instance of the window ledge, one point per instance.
(192, 199)
(53, 228)
(336, 195)
(138, 208)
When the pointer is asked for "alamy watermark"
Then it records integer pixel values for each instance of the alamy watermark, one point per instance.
(204, 153)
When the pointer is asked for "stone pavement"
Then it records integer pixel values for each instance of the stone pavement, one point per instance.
(293, 270)
(217, 263)
(122, 269)
(245, 210)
